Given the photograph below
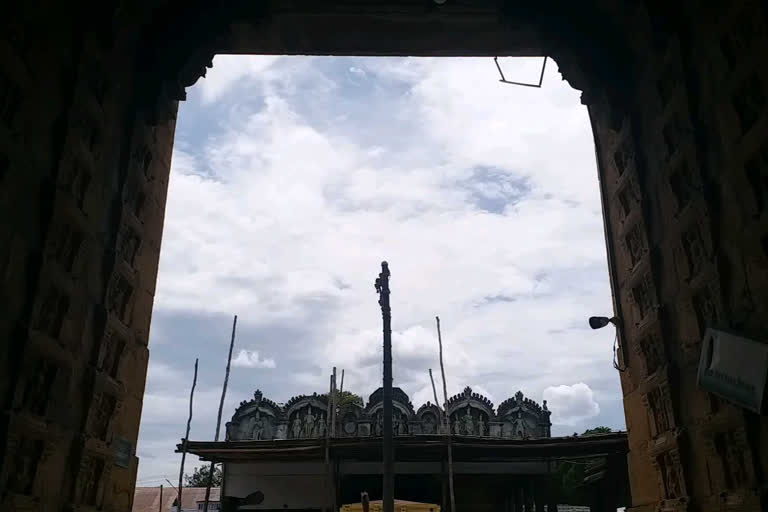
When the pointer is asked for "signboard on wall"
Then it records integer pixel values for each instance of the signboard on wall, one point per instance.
(123, 452)
(734, 368)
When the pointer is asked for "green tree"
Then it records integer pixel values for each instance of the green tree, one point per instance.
(597, 430)
(346, 399)
(200, 477)
(571, 474)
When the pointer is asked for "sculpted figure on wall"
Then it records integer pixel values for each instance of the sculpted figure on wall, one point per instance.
(306, 417)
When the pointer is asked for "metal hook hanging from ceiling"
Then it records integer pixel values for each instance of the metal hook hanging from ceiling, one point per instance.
(505, 81)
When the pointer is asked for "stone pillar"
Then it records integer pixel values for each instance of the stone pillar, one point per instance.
(528, 490)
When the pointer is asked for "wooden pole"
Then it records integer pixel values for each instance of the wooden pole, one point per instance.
(329, 475)
(160, 506)
(186, 437)
(218, 418)
(341, 388)
(388, 484)
(333, 403)
(447, 420)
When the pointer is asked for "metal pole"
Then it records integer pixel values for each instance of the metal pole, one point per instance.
(218, 418)
(388, 485)
(447, 420)
(186, 436)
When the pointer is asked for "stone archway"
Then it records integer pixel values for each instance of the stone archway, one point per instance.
(677, 95)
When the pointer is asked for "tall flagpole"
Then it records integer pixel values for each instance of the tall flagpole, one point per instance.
(388, 487)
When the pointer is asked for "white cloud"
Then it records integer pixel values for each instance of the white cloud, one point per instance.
(252, 359)
(283, 213)
(571, 404)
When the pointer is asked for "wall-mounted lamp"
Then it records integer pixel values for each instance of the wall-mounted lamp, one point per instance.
(598, 322)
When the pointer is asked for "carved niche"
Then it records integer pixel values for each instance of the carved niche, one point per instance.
(258, 419)
(706, 305)
(110, 352)
(644, 296)
(628, 197)
(684, 185)
(695, 250)
(749, 102)
(522, 418)
(659, 404)
(51, 313)
(730, 449)
(651, 352)
(101, 415)
(24, 463)
(635, 245)
(624, 158)
(67, 245)
(400, 424)
(119, 297)
(128, 244)
(37, 388)
(89, 480)
(136, 198)
(307, 422)
(670, 475)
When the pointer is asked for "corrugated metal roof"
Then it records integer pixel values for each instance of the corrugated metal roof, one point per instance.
(147, 499)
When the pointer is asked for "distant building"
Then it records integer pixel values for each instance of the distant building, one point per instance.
(147, 499)
(291, 457)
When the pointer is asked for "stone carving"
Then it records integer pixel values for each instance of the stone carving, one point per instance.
(305, 417)
(644, 296)
(624, 158)
(706, 307)
(659, 408)
(51, 314)
(103, 409)
(650, 351)
(89, 480)
(695, 250)
(309, 423)
(119, 297)
(684, 185)
(749, 102)
(671, 475)
(635, 245)
(128, 245)
(38, 387)
(111, 351)
(628, 197)
(731, 453)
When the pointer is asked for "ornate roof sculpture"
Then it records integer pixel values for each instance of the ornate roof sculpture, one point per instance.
(308, 416)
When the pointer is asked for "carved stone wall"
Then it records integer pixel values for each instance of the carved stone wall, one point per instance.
(309, 416)
(677, 93)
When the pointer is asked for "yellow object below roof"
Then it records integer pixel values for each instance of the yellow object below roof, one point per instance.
(400, 506)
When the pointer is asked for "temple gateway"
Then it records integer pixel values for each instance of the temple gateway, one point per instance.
(302, 455)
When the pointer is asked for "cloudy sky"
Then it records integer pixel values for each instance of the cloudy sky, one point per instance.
(293, 177)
